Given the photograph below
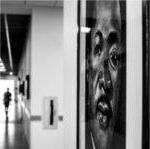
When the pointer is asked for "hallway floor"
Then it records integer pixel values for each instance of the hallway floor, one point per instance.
(11, 130)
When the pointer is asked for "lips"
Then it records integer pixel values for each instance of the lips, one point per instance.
(103, 112)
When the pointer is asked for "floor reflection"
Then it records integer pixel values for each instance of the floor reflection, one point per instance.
(11, 131)
(7, 139)
(11, 113)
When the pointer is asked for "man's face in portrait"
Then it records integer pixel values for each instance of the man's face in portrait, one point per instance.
(104, 71)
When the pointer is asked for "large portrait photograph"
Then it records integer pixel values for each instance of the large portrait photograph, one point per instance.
(102, 74)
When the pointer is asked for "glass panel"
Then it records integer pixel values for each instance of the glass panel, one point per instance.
(102, 74)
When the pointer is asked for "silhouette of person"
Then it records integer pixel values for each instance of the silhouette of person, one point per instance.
(7, 99)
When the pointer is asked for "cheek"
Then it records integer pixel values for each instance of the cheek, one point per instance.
(97, 61)
(94, 87)
(114, 75)
(92, 90)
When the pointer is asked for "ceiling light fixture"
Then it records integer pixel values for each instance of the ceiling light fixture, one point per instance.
(2, 67)
(8, 41)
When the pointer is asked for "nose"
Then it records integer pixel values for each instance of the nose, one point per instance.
(105, 78)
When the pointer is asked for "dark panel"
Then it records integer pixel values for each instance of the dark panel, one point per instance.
(146, 73)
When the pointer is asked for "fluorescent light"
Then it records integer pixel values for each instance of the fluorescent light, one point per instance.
(11, 73)
(85, 29)
(2, 67)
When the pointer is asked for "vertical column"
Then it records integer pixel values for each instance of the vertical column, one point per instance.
(82, 74)
(134, 74)
(70, 74)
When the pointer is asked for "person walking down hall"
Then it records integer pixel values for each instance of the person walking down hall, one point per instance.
(7, 99)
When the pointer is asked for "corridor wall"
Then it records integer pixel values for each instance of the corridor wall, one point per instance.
(23, 102)
(46, 74)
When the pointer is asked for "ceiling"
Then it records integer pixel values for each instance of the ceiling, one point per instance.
(18, 27)
(25, 6)
(18, 16)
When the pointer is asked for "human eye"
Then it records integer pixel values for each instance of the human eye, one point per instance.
(97, 50)
(98, 42)
(114, 58)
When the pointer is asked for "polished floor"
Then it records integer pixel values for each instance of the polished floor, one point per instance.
(11, 131)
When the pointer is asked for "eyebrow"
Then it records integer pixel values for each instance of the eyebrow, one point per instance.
(112, 38)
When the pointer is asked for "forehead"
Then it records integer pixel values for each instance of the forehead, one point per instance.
(107, 16)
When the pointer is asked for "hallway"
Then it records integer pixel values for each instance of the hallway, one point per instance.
(11, 131)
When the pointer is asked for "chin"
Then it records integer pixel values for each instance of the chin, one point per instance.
(101, 134)
(102, 123)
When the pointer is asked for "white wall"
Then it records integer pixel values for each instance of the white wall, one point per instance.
(46, 73)
(134, 75)
(70, 73)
